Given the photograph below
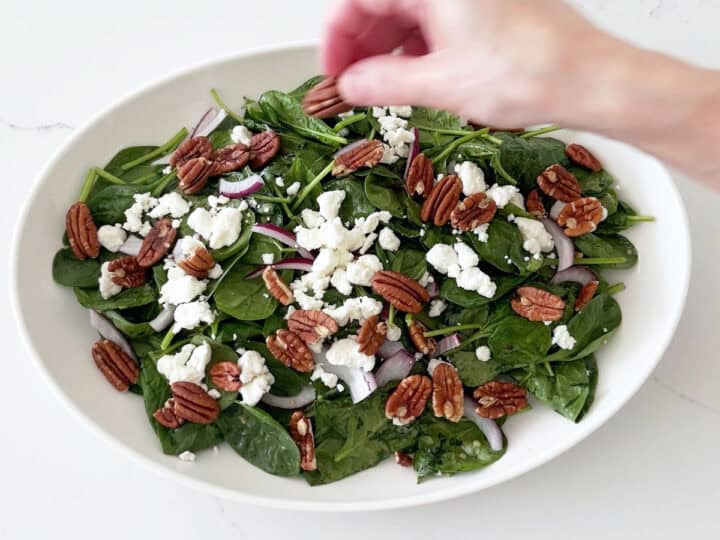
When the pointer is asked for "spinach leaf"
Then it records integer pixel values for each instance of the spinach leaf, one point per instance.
(428, 120)
(356, 203)
(592, 183)
(129, 328)
(381, 193)
(231, 331)
(299, 92)
(146, 170)
(504, 241)
(451, 292)
(619, 220)
(139, 296)
(260, 439)
(108, 204)
(436, 235)
(525, 159)
(611, 245)
(472, 371)
(517, 341)
(259, 245)
(242, 298)
(410, 262)
(70, 272)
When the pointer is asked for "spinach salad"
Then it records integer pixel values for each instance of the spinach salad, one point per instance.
(322, 287)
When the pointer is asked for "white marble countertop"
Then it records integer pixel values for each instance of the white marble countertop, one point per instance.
(652, 470)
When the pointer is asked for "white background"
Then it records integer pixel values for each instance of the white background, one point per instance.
(651, 470)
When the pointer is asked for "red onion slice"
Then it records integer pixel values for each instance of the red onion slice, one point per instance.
(243, 188)
(163, 319)
(556, 208)
(348, 147)
(489, 428)
(305, 397)
(432, 289)
(108, 330)
(295, 263)
(447, 343)
(360, 383)
(563, 244)
(579, 274)
(209, 121)
(131, 246)
(281, 235)
(414, 151)
(395, 368)
(389, 348)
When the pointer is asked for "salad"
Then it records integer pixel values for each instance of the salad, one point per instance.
(322, 287)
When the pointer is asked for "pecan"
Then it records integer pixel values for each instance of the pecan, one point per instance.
(302, 433)
(408, 400)
(119, 369)
(287, 347)
(403, 459)
(190, 149)
(581, 216)
(472, 212)
(277, 287)
(537, 304)
(226, 376)
(401, 291)
(126, 272)
(157, 243)
(534, 203)
(372, 335)
(582, 156)
(447, 394)
(559, 183)
(362, 154)
(423, 344)
(165, 415)
(420, 176)
(586, 294)
(312, 325)
(442, 200)
(496, 399)
(82, 232)
(323, 100)
(263, 147)
(193, 404)
(198, 263)
(194, 174)
(230, 158)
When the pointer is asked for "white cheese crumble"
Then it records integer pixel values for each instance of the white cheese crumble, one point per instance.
(268, 258)
(241, 134)
(311, 218)
(346, 352)
(111, 237)
(213, 393)
(133, 215)
(329, 203)
(279, 181)
(482, 353)
(293, 189)
(472, 177)
(361, 271)
(503, 195)
(460, 262)
(218, 230)
(340, 281)
(432, 364)
(354, 309)
(562, 338)
(255, 377)
(388, 239)
(393, 332)
(400, 110)
(171, 203)
(328, 379)
(394, 131)
(536, 238)
(189, 315)
(437, 307)
(482, 232)
(187, 365)
(180, 287)
(107, 286)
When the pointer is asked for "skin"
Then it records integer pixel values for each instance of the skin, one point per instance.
(517, 63)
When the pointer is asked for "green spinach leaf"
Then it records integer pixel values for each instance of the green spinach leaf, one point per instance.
(139, 296)
(410, 262)
(242, 298)
(70, 272)
(611, 245)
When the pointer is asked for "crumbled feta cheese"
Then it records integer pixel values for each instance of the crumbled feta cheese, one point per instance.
(188, 244)
(536, 238)
(369, 223)
(167, 170)
(187, 316)
(327, 260)
(482, 232)
(180, 288)
(187, 455)
(354, 309)
(377, 112)
(133, 215)
(562, 338)
(214, 393)
(361, 271)
(340, 281)
(472, 177)
(328, 379)
(437, 307)
(176, 223)
(255, 377)
(187, 365)
(393, 332)
(215, 201)
(368, 243)
(482, 353)
(329, 203)
(311, 218)
(279, 181)
(432, 364)
(293, 189)
(395, 133)
(145, 228)
(268, 258)
(388, 239)
(467, 258)
(220, 230)
(474, 279)
(400, 110)
(107, 286)
(111, 237)
(425, 279)
(502, 195)
(171, 203)
(241, 134)
(389, 157)
(346, 352)
(442, 257)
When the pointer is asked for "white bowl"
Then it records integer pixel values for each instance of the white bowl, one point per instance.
(58, 335)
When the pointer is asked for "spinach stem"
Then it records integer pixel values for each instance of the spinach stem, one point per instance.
(495, 162)
(549, 369)
(391, 316)
(283, 203)
(167, 339)
(160, 151)
(102, 173)
(445, 131)
(87, 185)
(143, 179)
(161, 184)
(600, 260)
(451, 329)
(345, 122)
(371, 135)
(270, 198)
(457, 142)
(614, 289)
(476, 336)
(539, 131)
(311, 185)
(220, 103)
(638, 219)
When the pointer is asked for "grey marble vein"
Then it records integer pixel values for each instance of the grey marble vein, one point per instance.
(39, 127)
(681, 395)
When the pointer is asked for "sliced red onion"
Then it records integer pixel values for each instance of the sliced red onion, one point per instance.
(131, 246)
(447, 343)
(489, 428)
(563, 244)
(414, 151)
(395, 368)
(389, 348)
(348, 148)
(305, 397)
(294, 263)
(432, 289)
(209, 121)
(360, 383)
(108, 330)
(243, 188)
(579, 274)
(556, 208)
(281, 235)
(163, 319)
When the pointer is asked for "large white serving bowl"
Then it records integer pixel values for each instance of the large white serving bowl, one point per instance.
(58, 334)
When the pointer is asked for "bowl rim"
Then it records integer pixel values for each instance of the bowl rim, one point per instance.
(584, 430)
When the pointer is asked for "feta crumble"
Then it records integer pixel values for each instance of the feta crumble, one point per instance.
(241, 134)
(293, 189)
(437, 307)
(171, 203)
(346, 352)
(268, 258)
(482, 353)
(111, 237)
(187, 365)
(255, 377)
(562, 338)
(108, 287)
(536, 238)
(218, 230)
(189, 315)
(388, 239)
(472, 177)
(328, 379)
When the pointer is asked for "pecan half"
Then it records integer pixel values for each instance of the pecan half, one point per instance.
(582, 156)
(287, 347)
(408, 400)
(497, 399)
(586, 294)
(534, 203)
(312, 325)
(277, 287)
(263, 147)
(581, 216)
(447, 394)
(126, 272)
(194, 174)
(420, 176)
(473, 211)
(403, 459)
(372, 335)
(323, 100)
(423, 344)
(197, 263)
(401, 291)
(194, 404)
(442, 200)
(156, 243)
(165, 415)
(537, 304)
(190, 149)
(559, 183)
(230, 158)
(118, 368)
(302, 433)
(226, 376)
(82, 232)
(363, 154)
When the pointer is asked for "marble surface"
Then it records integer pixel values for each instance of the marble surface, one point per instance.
(653, 469)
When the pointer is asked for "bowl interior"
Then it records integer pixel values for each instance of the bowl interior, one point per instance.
(59, 336)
